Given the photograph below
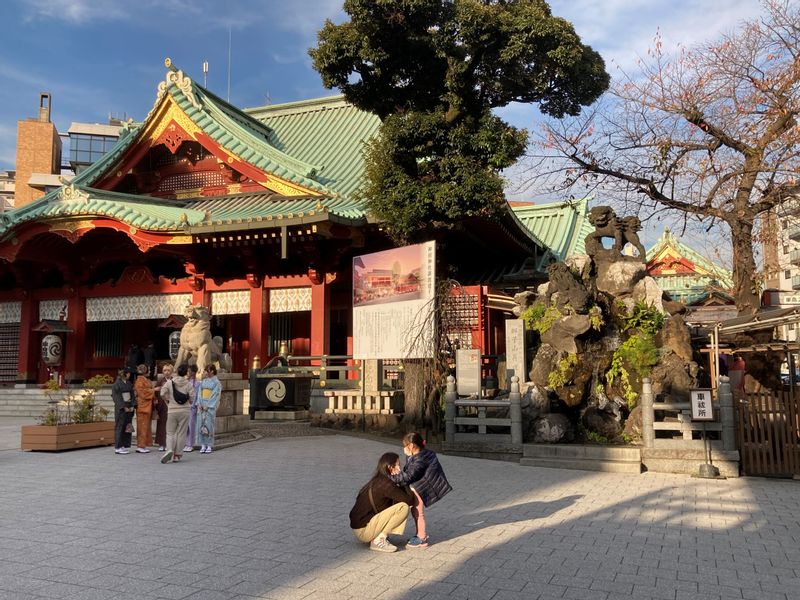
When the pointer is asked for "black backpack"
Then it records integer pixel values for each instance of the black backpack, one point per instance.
(179, 396)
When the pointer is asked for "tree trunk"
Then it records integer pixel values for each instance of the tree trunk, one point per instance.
(414, 389)
(744, 267)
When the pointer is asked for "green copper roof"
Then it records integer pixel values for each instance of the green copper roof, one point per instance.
(322, 132)
(270, 210)
(72, 201)
(562, 227)
(233, 129)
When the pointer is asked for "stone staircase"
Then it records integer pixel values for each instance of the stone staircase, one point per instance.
(586, 458)
(32, 402)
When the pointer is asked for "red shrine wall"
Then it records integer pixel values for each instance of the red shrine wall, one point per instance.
(101, 346)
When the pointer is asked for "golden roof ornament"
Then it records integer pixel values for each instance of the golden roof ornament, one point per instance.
(184, 83)
(71, 193)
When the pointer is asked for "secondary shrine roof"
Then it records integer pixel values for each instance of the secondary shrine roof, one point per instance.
(562, 227)
(685, 274)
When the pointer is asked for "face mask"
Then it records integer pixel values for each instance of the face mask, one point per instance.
(406, 451)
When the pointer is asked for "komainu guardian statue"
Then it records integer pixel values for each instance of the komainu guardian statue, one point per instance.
(197, 345)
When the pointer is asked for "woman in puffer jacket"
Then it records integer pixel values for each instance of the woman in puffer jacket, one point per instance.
(424, 475)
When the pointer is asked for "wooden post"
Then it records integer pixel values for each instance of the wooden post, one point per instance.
(258, 332)
(726, 417)
(76, 341)
(29, 344)
(648, 415)
(320, 319)
(516, 411)
(450, 397)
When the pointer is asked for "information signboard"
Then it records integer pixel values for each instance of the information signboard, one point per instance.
(468, 372)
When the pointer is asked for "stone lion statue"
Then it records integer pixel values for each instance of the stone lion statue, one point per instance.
(605, 223)
(631, 226)
(197, 345)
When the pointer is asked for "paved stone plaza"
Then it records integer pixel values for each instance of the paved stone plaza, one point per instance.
(268, 519)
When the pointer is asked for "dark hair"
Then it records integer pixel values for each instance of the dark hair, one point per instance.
(385, 462)
(211, 369)
(414, 438)
(193, 368)
(182, 370)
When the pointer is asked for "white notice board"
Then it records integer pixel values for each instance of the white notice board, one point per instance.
(702, 408)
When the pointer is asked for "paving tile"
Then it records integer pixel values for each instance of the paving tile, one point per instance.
(273, 525)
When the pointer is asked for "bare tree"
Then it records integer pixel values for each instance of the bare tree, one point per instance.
(711, 133)
(437, 331)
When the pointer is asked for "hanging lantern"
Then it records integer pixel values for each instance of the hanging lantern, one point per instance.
(52, 348)
(174, 344)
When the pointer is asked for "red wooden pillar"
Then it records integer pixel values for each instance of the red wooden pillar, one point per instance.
(29, 342)
(258, 335)
(320, 319)
(200, 295)
(75, 358)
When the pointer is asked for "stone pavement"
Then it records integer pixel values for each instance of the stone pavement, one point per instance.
(268, 519)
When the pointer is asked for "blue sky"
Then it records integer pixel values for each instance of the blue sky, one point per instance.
(106, 56)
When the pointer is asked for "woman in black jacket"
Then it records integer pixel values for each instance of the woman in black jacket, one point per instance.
(124, 404)
(381, 507)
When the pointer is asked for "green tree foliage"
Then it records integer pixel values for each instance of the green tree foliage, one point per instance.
(433, 70)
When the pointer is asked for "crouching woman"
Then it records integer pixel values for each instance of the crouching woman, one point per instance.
(381, 507)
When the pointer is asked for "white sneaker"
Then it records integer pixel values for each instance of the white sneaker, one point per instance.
(202, 449)
(142, 450)
(188, 449)
(208, 449)
(167, 457)
(382, 545)
(122, 451)
(161, 448)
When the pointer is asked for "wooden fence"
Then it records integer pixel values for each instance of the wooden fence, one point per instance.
(768, 428)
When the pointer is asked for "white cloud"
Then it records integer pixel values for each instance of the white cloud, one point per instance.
(76, 11)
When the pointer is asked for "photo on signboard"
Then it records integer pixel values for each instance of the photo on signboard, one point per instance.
(393, 293)
(390, 276)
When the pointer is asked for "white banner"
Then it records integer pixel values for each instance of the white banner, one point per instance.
(393, 293)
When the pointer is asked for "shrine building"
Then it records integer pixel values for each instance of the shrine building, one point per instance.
(253, 213)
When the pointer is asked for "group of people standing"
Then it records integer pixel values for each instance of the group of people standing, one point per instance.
(183, 405)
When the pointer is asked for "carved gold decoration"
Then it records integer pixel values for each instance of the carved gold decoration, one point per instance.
(71, 226)
(286, 188)
(234, 188)
(184, 84)
(166, 114)
(70, 193)
(190, 193)
(180, 239)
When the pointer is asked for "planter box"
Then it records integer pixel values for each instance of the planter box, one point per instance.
(66, 437)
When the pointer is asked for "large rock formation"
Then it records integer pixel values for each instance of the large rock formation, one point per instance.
(603, 325)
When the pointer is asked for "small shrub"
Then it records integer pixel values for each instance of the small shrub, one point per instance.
(560, 376)
(67, 407)
(540, 317)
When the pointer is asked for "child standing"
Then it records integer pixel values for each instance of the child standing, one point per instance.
(423, 473)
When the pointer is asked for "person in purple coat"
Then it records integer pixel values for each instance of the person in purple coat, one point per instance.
(424, 475)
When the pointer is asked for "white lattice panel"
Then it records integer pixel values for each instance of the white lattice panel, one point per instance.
(133, 308)
(55, 310)
(230, 303)
(289, 300)
(10, 312)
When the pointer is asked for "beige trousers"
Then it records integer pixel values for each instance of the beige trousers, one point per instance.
(177, 424)
(392, 520)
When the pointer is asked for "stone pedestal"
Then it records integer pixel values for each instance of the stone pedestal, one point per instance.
(230, 412)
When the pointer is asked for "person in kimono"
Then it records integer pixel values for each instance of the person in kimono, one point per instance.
(124, 402)
(161, 409)
(191, 433)
(210, 392)
(145, 395)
